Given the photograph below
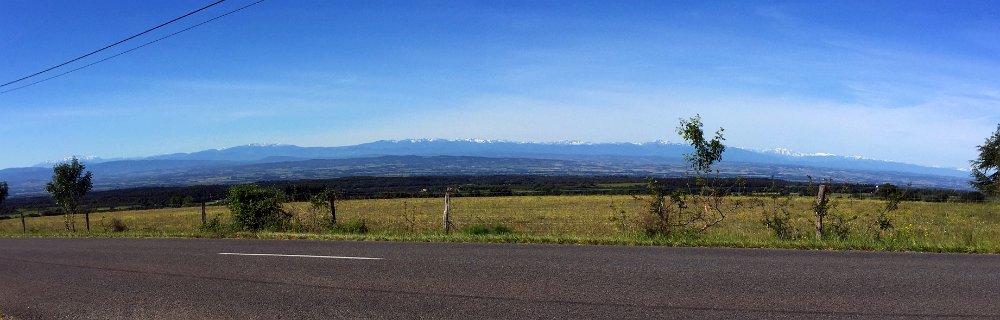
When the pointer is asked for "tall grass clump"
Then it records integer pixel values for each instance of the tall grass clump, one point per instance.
(487, 229)
(351, 226)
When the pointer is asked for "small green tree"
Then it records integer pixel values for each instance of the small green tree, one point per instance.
(883, 219)
(68, 186)
(986, 168)
(697, 210)
(256, 208)
(706, 152)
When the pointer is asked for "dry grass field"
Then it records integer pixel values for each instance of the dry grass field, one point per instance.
(922, 226)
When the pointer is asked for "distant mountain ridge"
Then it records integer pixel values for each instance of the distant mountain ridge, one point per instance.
(544, 150)
(472, 156)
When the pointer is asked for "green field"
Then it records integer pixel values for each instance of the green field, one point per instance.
(917, 226)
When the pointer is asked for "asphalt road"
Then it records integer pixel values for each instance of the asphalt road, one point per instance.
(190, 279)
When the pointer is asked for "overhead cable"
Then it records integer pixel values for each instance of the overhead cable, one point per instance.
(110, 45)
(132, 49)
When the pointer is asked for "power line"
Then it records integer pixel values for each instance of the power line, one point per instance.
(110, 45)
(133, 49)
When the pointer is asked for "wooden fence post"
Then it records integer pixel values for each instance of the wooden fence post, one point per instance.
(333, 208)
(820, 211)
(86, 215)
(24, 227)
(447, 212)
(204, 220)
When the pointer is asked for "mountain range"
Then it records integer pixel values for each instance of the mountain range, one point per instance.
(473, 157)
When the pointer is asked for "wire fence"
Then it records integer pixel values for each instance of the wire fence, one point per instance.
(540, 215)
(582, 215)
(599, 215)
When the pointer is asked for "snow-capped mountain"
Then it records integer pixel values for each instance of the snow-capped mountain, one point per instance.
(409, 157)
(88, 159)
(564, 150)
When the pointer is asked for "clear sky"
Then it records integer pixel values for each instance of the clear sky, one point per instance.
(912, 81)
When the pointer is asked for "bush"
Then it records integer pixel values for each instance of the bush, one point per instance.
(777, 216)
(839, 226)
(781, 226)
(480, 229)
(256, 208)
(883, 219)
(117, 225)
(214, 225)
(307, 219)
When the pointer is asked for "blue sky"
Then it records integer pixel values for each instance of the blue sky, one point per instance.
(910, 81)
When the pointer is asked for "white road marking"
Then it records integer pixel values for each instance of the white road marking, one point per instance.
(296, 256)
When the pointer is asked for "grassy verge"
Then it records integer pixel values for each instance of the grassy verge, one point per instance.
(627, 240)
